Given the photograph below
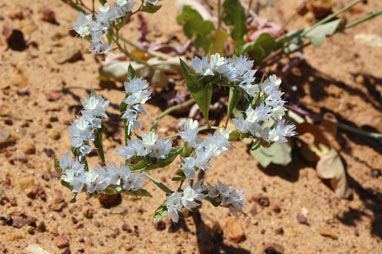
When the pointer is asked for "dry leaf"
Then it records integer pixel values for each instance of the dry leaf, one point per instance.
(331, 167)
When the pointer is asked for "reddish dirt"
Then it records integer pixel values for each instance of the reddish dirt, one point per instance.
(343, 76)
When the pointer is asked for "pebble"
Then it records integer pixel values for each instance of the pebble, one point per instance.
(279, 231)
(28, 147)
(58, 204)
(49, 152)
(18, 222)
(68, 54)
(273, 248)
(233, 229)
(376, 173)
(253, 210)
(302, 219)
(35, 249)
(6, 139)
(127, 228)
(61, 241)
(47, 15)
(53, 95)
(320, 8)
(22, 158)
(261, 200)
(160, 225)
(29, 27)
(19, 79)
(14, 38)
(276, 208)
(88, 213)
(327, 233)
(54, 134)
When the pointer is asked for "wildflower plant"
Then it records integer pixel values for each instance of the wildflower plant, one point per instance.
(261, 117)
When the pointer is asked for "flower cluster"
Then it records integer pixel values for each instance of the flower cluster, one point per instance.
(96, 26)
(227, 197)
(191, 197)
(204, 149)
(149, 145)
(264, 115)
(99, 179)
(83, 129)
(137, 94)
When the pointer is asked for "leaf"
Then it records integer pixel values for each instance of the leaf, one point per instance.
(160, 212)
(141, 166)
(98, 143)
(57, 166)
(171, 156)
(276, 153)
(202, 95)
(66, 184)
(102, 1)
(233, 14)
(194, 25)
(234, 135)
(331, 167)
(261, 48)
(140, 193)
(218, 39)
(233, 100)
(318, 34)
(159, 184)
(150, 8)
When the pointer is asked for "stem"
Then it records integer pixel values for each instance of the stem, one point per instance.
(93, 8)
(363, 19)
(219, 15)
(343, 126)
(158, 183)
(131, 56)
(170, 110)
(136, 46)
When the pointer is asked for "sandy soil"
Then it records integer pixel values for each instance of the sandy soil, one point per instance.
(40, 97)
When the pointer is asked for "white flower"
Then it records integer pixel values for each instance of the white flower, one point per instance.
(100, 47)
(134, 182)
(153, 2)
(81, 24)
(135, 85)
(149, 139)
(190, 196)
(188, 166)
(190, 132)
(174, 205)
(202, 66)
(213, 191)
(80, 131)
(280, 131)
(104, 8)
(66, 162)
(95, 105)
(139, 97)
(91, 181)
(161, 148)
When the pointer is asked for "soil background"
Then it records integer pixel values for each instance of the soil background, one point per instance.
(39, 97)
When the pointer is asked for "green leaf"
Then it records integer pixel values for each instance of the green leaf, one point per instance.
(318, 34)
(159, 184)
(150, 8)
(160, 212)
(233, 14)
(66, 184)
(261, 48)
(279, 154)
(233, 100)
(201, 94)
(178, 178)
(57, 166)
(218, 39)
(140, 193)
(171, 156)
(98, 143)
(74, 6)
(102, 1)
(141, 166)
(234, 135)
(194, 25)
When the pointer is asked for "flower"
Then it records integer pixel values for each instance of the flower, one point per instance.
(81, 25)
(174, 205)
(190, 132)
(190, 196)
(95, 106)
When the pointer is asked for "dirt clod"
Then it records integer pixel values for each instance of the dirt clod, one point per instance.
(61, 241)
(233, 229)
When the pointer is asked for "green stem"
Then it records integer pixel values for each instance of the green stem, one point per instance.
(136, 46)
(170, 110)
(363, 19)
(158, 183)
(131, 56)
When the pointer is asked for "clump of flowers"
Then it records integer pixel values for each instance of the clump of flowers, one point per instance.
(263, 119)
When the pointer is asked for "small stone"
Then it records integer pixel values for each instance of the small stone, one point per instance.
(302, 219)
(41, 227)
(61, 242)
(29, 27)
(22, 158)
(54, 134)
(160, 225)
(88, 213)
(47, 15)
(327, 233)
(69, 54)
(25, 183)
(273, 248)
(279, 231)
(35, 249)
(253, 210)
(58, 204)
(276, 208)
(18, 222)
(109, 201)
(127, 228)
(376, 173)
(261, 200)
(6, 139)
(66, 251)
(320, 8)
(14, 38)
(28, 147)
(49, 152)
(233, 230)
